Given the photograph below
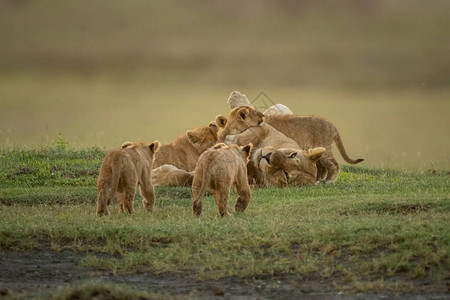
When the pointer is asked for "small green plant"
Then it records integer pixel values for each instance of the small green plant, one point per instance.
(60, 143)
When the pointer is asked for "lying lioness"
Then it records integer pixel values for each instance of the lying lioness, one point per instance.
(121, 171)
(276, 159)
(306, 131)
(314, 131)
(218, 169)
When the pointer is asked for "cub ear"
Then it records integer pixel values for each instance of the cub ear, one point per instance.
(243, 113)
(192, 137)
(154, 146)
(126, 145)
(221, 121)
(213, 126)
(247, 149)
(314, 154)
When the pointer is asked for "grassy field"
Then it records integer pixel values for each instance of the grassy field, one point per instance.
(374, 230)
(80, 77)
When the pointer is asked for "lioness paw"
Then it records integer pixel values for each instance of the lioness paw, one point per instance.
(230, 139)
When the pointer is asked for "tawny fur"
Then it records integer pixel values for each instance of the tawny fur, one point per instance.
(169, 175)
(307, 132)
(121, 171)
(239, 119)
(182, 154)
(299, 169)
(311, 132)
(218, 169)
(285, 167)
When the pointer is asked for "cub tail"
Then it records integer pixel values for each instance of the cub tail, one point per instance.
(340, 146)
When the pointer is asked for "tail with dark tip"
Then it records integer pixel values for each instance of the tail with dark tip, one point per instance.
(340, 146)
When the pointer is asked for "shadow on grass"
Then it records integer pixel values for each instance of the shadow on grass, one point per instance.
(81, 195)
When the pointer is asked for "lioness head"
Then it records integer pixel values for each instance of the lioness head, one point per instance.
(240, 119)
(288, 166)
(204, 137)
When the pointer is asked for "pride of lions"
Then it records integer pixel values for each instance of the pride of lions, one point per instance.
(274, 148)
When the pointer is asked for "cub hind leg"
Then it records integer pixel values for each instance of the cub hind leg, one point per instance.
(120, 196)
(221, 192)
(331, 166)
(148, 196)
(244, 194)
(102, 202)
(129, 199)
(221, 197)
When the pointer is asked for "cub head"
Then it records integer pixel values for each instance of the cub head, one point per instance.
(240, 119)
(150, 149)
(243, 151)
(203, 138)
(288, 166)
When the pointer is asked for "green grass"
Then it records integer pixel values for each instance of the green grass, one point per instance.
(370, 226)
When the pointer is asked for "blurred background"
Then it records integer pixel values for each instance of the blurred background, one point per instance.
(101, 72)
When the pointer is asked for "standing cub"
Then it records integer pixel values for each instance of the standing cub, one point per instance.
(121, 171)
(218, 169)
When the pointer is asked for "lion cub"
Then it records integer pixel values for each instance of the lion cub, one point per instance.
(218, 169)
(121, 171)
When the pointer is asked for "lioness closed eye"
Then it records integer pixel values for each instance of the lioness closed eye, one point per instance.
(218, 169)
(121, 171)
(287, 166)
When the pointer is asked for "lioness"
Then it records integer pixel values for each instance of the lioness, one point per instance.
(276, 159)
(306, 131)
(218, 169)
(314, 131)
(285, 167)
(121, 171)
(182, 154)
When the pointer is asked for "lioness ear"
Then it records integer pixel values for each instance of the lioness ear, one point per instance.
(243, 113)
(213, 126)
(192, 137)
(126, 144)
(247, 149)
(221, 121)
(154, 146)
(315, 153)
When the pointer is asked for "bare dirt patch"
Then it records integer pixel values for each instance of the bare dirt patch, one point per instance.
(45, 273)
